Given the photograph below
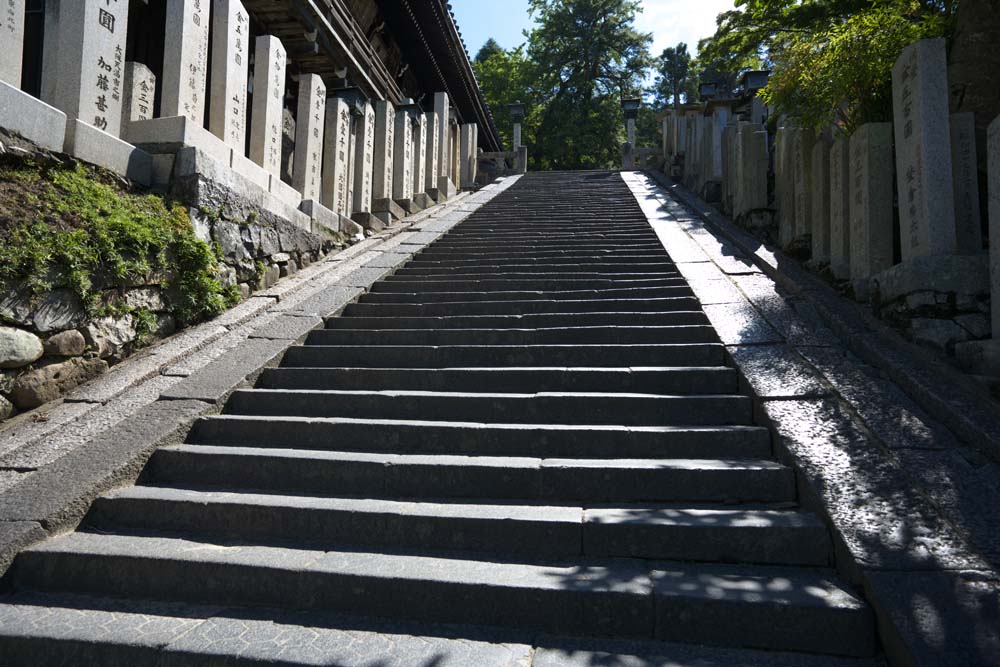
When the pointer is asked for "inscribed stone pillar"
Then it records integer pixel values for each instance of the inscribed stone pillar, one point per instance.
(455, 161)
(420, 154)
(923, 150)
(664, 143)
(230, 63)
(965, 182)
(728, 174)
(185, 60)
(802, 177)
(680, 134)
(720, 118)
(50, 52)
(441, 108)
(840, 209)
(13, 42)
(140, 90)
(784, 183)
(820, 199)
(385, 122)
(517, 136)
(90, 69)
(993, 167)
(336, 156)
(469, 149)
(402, 164)
(309, 118)
(268, 98)
(363, 161)
(752, 173)
(871, 199)
(431, 169)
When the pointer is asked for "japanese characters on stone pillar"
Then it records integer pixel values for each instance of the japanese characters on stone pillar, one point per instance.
(993, 168)
(871, 201)
(230, 63)
(720, 118)
(185, 60)
(363, 161)
(50, 52)
(385, 129)
(455, 161)
(923, 150)
(784, 183)
(309, 118)
(336, 156)
(965, 182)
(268, 95)
(820, 199)
(840, 209)
(441, 108)
(802, 178)
(469, 151)
(420, 154)
(402, 164)
(752, 169)
(140, 90)
(728, 172)
(90, 70)
(12, 28)
(431, 169)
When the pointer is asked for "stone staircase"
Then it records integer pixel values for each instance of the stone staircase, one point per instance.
(529, 431)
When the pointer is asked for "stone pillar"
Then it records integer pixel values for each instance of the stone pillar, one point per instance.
(364, 165)
(752, 168)
(336, 156)
(993, 152)
(185, 60)
(840, 209)
(13, 42)
(820, 199)
(455, 160)
(402, 164)
(90, 70)
(871, 201)
(720, 119)
(431, 169)
(420, 159)
(441, 108)
(268, 98)
(965, 182)
(802, 178)
(309, 119)
(383, 206)
(50, 52)
(469, 151)
(517, 136)
(230, 63)
(728, 173)
(140, 91)
(923, 150)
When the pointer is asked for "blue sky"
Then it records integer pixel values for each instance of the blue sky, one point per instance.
(670, 21)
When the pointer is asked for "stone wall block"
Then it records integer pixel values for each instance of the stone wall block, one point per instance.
(871, 200)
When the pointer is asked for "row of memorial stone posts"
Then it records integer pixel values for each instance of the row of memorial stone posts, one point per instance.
(893, 209)
(353, 157)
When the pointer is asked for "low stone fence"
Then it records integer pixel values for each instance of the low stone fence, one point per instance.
(502, 163)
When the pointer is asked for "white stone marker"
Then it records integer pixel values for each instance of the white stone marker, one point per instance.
(433, 151)
(802, 177)
(50, 52)
(993, 168)
(420, 154)
(140, 91)
(309, 117)
(230, 64)
(965, 182)
(923, 150)
(402, 164)
(871, 199)
(840, 209)
(820, 216)
(185, 60)
(336, 156)
(12, 29)
(268, 97)
(441, 108)
(90, 68)
(469, 152)
(363, 161)
(385, 129)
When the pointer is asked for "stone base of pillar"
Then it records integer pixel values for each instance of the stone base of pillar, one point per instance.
(87, 143)
(368, 221)
(423, 200)
(31, 118)
(284, 191)
(170, 134)
(325, 222)
(388, 210)
(409, 205)
(436, 195)
(446, 187)
(980, 357)
(713, 192)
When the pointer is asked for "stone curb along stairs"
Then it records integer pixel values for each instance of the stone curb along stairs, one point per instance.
(526, 433)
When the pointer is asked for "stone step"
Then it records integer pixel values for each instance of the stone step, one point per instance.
(536, 321)
(623, 335)
(789, 609)
(512, 284)
(619, 254)
(529, 307)
(414, 268)
(542, 250)
(632, 261)
(537, 408)
(406, 275)
(708, 533)
(485, 439)
(665, 380)
(456, 296)
(493, 356)
(383, 475)
(561, 239)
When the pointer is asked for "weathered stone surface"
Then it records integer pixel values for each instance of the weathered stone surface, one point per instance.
(949, 274)
(269, 92)
(140, 88)
(108, 335)
(230, 60)
(93, 145)
(13, 33)
(939, 334)
(821, 194)
(185, 60)
(993, 158)
(385, 130)
(69, 343)
(18, 347)
(871, 199)
(57, 310)
(336, 156)
(307, 171)
(14, 537)
(7, 408)
(364, 162)
(777, 371)
(214, 381)
(31, 118)
(965, 182)
(48, 383)
(840, 209)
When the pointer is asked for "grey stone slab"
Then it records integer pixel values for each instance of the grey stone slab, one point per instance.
(59, 494)
(140, 86)
(230, 63)
(269, 87)
(31, 118)
(39, 423)
(9, 478)
(16, 536)
(171, 134)
(365, 276)
(119, 378)
(327, 302)
(965, 183)
(700, 271)
(876, 514)
(214, 381)
(778, 311)
(11, 59)
(713, 291)
(389, 260)
(247, 310)
(937, 618)
(185, 61)
(421, 238)
(726, 256)
(741, 324)
(287, 327)
(777, 371)
(307, 170)
(871, 199)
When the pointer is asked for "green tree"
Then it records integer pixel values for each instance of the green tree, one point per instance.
(587, 56)
(674, 76)
(488, 50)
(506, 77)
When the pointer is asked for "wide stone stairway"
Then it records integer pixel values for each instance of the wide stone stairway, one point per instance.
(525, 447)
